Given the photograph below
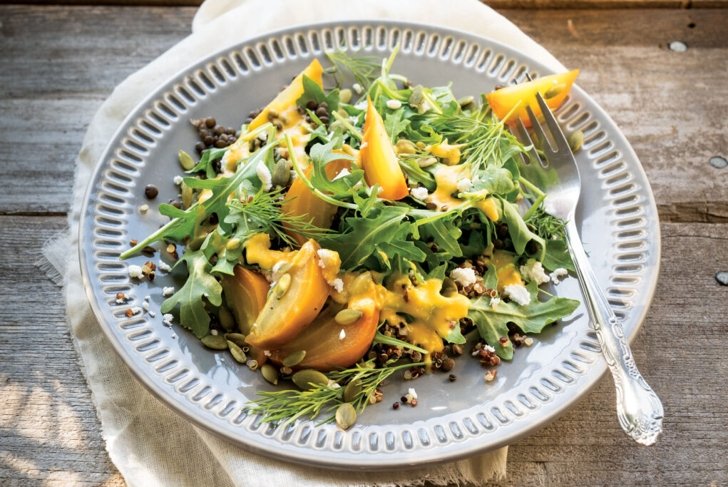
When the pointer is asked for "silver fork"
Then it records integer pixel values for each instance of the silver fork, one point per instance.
(638, 408)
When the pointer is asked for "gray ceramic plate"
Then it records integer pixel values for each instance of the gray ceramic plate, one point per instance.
(617, 217)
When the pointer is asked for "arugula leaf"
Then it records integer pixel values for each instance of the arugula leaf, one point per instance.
(492, 321)
(205, 164)
(455, 335)
(199, 284)
(494, 180)
(444, 233)
(357, 244)
(519, 231)
(557, 255)
(395, 124)
(313, 92)
(185, 223)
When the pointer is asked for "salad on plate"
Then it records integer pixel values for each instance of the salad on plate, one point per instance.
(359, 227)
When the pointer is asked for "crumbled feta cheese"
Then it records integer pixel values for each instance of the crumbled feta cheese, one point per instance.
(167, 319)
(338, 285)
(394, 104)
(463, 276)
(178, 180)
(419, 193)
(488, 348)
(490, 375)
(143, 209)
(528, 341)
(145, 305)
(263, 173)
(518, 293)
(135, 271)
(411, 391)
(147, 297)
(342, 334)
(164, 267)
(533, 272)
(343, 173)
(152, 314)
(464, 185)
(136, 310)
(213, 332)
(558, 274)
(358, 88)
(332, 384)
(167, 291)
(267, 353)
(494, 302)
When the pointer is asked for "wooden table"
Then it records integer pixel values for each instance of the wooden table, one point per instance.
(57, 64)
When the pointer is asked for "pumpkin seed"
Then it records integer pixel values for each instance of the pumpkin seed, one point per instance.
(237, 338)
(449, 288)
(426, 161)
(552, 92)
(269, 373)
(237, 352)
(215, 342)
(466, 101)
(185, 160)
(226, 318)
(576, 140)
(294, 359)
(352, 389)
(186, 195)
(233, 244)
(345, 416)
(345, 95)
(405, 146)
(348, 316)
(307, 378)
(281, 173)
(284, 282)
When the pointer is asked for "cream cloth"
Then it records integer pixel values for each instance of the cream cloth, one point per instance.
(149, 444)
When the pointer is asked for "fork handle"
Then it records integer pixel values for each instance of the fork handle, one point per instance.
(638, 408)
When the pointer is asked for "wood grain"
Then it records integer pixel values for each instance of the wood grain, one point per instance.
(48, 92)
(501, 4)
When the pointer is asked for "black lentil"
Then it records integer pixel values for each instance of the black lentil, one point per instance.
(395, 405)
(452, 377)
(151, 191)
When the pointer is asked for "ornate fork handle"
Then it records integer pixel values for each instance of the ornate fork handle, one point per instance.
(638, 408)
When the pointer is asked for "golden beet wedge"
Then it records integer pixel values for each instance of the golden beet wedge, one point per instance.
(245, 294)
(288, 97)
(300, 201)
(510, 103)
(378, 158)
(293, 302)
(330, 345)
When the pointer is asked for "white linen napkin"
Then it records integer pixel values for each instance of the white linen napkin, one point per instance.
(149, 444)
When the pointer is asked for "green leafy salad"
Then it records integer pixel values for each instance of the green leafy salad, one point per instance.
(377, 228)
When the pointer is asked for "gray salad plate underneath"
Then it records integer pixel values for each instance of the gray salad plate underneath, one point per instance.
(617, 219)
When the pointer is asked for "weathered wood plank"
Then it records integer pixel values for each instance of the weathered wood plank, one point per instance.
(511, 4)
(49, 432)
(48, 92)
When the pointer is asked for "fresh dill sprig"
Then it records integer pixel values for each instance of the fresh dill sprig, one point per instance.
(544, 224)
(288, 405)
(262, 212)
(364, 69)
(485, 137)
